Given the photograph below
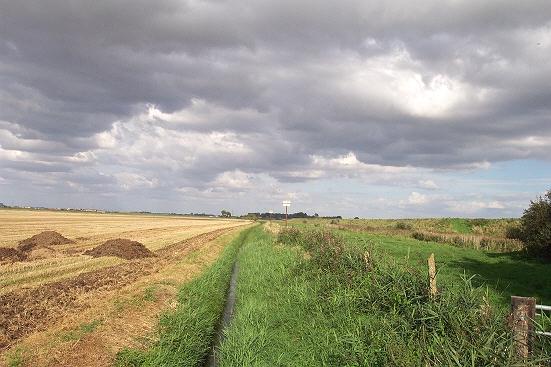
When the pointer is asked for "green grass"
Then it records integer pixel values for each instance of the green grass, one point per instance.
(149, 294)
(317, 302)
(478, 226)
(15, 358)
(504, 274)
(81, 331)
(317, 299)
(460, 225)
(186, 334)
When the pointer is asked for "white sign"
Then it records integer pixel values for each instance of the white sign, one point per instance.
(286, 203)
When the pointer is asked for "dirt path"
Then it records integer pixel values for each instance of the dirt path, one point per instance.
(27, 311)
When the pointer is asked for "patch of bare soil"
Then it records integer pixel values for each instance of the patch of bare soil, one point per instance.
(123, 248)
(44, 239)
(25, 311)
(9, 254)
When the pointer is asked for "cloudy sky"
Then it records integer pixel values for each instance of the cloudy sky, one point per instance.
(374, 109)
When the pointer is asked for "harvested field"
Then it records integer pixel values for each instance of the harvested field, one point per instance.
(37, 296)
(120, 247)
(87, 230)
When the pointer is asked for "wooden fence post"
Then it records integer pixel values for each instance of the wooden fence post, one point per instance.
(523, 311)
(432, 276)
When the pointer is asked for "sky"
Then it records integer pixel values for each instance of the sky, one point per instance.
(353, 108)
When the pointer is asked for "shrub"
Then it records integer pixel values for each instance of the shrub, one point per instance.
(289, 236)
(535, 227)
(403, 225)
(513, 232)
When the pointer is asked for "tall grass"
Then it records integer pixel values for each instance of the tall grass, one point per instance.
(476, 226)
(362, 309)
(186, 334)
(471, 241)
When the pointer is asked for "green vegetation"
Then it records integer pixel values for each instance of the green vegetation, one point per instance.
(504, 274)
(314, 297)
(485, 234)
(535, 227)
(471, 241)
(82, 330)
(461, 225)
(323, 300)
(149, 294)
(476, 226)
(15, 358)
(186, 334)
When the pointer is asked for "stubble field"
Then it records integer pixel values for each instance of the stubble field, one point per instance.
(61, 306)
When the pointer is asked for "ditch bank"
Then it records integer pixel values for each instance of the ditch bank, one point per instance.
(192, 333)
(227, 315)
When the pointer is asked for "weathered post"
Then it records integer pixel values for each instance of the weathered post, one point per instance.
(432, 276)
(523, 312)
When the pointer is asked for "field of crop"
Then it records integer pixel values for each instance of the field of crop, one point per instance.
(61, 306)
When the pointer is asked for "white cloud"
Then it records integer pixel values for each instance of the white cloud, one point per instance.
(428, 184)
(474, 206)
(233, 180)
(350, 165)
(416, 198)
(131, 181)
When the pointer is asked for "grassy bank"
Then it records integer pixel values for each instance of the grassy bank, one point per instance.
(186, 334)
(319, 300)
(485, 234)
(504, 274)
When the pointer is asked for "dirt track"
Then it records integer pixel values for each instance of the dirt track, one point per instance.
(25, 311)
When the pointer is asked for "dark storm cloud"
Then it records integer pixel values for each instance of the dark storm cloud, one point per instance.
(428, 85)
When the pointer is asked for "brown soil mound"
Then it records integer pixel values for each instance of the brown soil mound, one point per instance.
(122, 248)
(44, 239)
(9, 254)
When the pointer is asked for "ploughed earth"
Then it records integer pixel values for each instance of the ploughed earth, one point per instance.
(27, 311)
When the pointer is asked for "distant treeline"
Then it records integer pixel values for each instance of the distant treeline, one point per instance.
(290, 216)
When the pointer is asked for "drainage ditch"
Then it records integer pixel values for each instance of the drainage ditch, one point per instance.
(212, 360)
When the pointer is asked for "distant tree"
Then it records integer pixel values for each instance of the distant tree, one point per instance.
(252, 216)
(535, 226)
(225, 213)
(316, 215)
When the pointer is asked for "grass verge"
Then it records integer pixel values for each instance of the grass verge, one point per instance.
(505, 274)
(315, 299)
(186, 334)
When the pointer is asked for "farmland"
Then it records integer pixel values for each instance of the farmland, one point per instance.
(310, 296)
(60, 306)
(320, 293)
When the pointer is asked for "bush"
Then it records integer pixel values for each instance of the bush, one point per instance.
(289, 236)
(403, 225)
(513, 232)
(535, 227)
